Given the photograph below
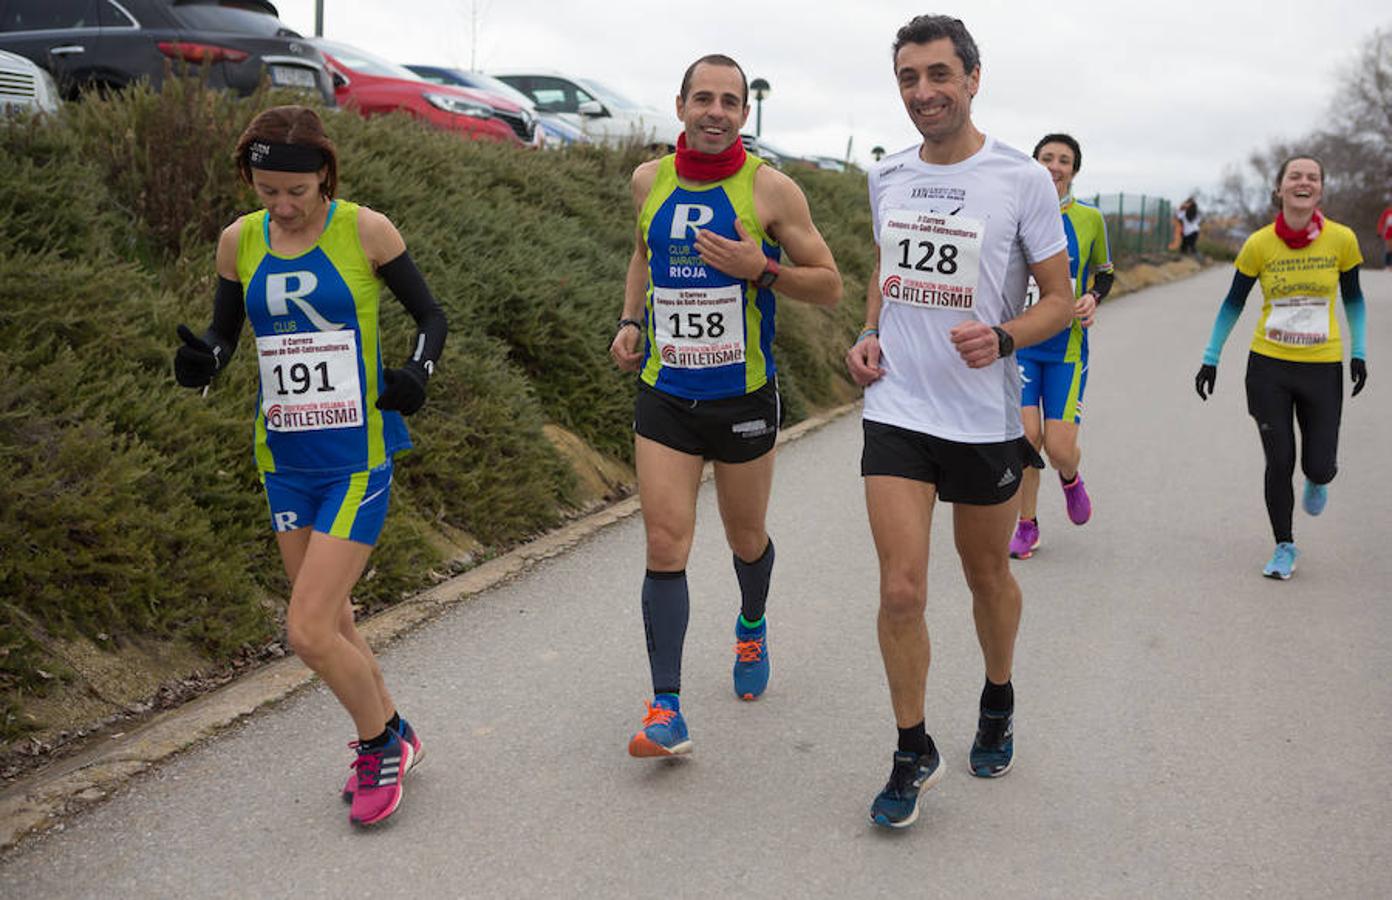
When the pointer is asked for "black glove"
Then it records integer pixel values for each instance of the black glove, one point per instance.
(1203, 382)
(195, 363)
(1358, 371)
(405, 390)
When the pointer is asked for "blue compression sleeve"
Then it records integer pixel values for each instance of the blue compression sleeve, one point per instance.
(1357, 312)
(1228, 314)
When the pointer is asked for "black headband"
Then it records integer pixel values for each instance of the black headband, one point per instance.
(284, 157)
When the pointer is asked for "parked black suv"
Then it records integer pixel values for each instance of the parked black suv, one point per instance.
(112, 43)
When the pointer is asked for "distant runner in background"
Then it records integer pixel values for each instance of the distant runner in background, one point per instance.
(1295, 371)
(1385, 232)
(1189, 221)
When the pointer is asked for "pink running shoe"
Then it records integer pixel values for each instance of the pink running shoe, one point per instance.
(408, 734)
(1025, 540)
(377, 793)
(1075, 495)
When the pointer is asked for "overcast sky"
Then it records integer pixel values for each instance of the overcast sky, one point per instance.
(1161, 95)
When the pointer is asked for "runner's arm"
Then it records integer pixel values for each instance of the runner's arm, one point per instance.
(1357, 312)
(626, 347)
(1228, 314)
(863, 357)
(813, 277)
(1054, 309)
(197, 359)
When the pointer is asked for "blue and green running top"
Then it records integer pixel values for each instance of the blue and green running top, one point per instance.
(1088, 255)
(317, 349)
(709, 335)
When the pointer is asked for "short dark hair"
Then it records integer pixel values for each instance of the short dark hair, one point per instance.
(923, 29)
(1062, 139)
(715, 59)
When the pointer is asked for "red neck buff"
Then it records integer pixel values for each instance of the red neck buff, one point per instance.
(1297, 239)
(693, 165)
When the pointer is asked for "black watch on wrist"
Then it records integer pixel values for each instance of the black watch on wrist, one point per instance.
(1006, 343)
(624, 323)
(768, 276)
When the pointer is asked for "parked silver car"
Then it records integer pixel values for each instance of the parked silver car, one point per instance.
(24, 85)
(604, 114)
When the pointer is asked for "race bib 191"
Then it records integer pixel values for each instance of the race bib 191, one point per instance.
(928, 259)
(1298, 321)
(699, 328)
(309, 381)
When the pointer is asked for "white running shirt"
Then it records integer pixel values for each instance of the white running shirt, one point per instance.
(955, 244)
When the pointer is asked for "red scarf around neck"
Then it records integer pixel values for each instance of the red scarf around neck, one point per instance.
(693, 165)
(1303, 238)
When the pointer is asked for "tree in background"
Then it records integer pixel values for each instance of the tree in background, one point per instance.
(1355, 146)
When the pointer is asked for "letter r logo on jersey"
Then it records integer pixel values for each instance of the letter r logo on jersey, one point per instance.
(689, 215)
(285, 521)
(283, 288)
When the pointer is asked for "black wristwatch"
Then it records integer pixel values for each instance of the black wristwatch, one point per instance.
(1006, 345)
(768, 276)
(624, 323)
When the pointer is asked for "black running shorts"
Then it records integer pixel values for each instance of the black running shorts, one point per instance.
(976, 474)
(729, 430)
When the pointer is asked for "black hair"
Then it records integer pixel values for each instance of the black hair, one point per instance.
(1062, 139)
(715, 59)
(923, 29)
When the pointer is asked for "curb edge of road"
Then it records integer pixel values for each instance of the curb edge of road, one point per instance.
(36, 803)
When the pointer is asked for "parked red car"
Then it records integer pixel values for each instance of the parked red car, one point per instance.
(375, 86)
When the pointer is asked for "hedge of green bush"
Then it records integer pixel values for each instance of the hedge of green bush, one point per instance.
(130, 506)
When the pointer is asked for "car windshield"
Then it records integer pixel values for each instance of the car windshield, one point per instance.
(366, 63)
(229, 18)
(495, 86)
(607, 94)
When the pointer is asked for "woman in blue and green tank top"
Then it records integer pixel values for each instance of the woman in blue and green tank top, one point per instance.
(307, 271)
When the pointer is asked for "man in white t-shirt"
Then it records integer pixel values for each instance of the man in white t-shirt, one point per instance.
(961, 222)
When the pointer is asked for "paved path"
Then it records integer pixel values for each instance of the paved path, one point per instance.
(1185, 727)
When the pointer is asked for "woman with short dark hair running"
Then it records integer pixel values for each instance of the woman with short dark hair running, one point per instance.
(308, 272)
(1295, 371)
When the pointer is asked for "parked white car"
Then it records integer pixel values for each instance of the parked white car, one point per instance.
(24, 85)
(604, 114)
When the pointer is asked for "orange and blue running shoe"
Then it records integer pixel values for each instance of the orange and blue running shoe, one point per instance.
(664, 730)
(379, 771)
(408, 734)
(751, 659)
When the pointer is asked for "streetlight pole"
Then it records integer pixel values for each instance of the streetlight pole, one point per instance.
(760, 88)
(318, 18)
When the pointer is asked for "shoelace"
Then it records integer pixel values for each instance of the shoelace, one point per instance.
(748, 651)
(990, 731)
(901, 777)
(658, 715)
(368, 766)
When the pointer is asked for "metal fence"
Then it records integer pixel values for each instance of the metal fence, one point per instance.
(1136, 223)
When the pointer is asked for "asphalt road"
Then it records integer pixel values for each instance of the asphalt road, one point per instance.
(1184, 726)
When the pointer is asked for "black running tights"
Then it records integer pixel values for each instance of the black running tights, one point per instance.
(1281, 393)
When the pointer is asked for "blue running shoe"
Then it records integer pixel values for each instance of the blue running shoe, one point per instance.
(1315, 497)
(1282, 563)
(664, 730)
(751, 659)
(993, 750)
(897, 805)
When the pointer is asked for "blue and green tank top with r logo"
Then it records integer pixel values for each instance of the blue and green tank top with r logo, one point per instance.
(709, 335)
(1088, 255)
(317, 349)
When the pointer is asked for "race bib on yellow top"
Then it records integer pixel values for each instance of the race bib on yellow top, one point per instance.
(309, 381)
(699, 328)
(1298, 321)
(929, 260)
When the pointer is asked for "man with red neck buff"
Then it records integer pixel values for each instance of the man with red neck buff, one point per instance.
(697, 325)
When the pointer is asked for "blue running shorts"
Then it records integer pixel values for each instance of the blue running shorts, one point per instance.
(1057, 386)
(351, 506)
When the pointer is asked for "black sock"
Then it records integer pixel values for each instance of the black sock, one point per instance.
(754, 584)
(998, 697)
(394, 723)
(1068, 482)
(376, 743)
(666, 608)
(915, 739)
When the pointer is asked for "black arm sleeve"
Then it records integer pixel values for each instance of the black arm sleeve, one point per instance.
(407, 283)
(1239, 289)
(229, 313)
(1348, 283)
(1102, 285)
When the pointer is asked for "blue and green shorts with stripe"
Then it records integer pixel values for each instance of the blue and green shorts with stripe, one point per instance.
(1056, 386)
(351, 506)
